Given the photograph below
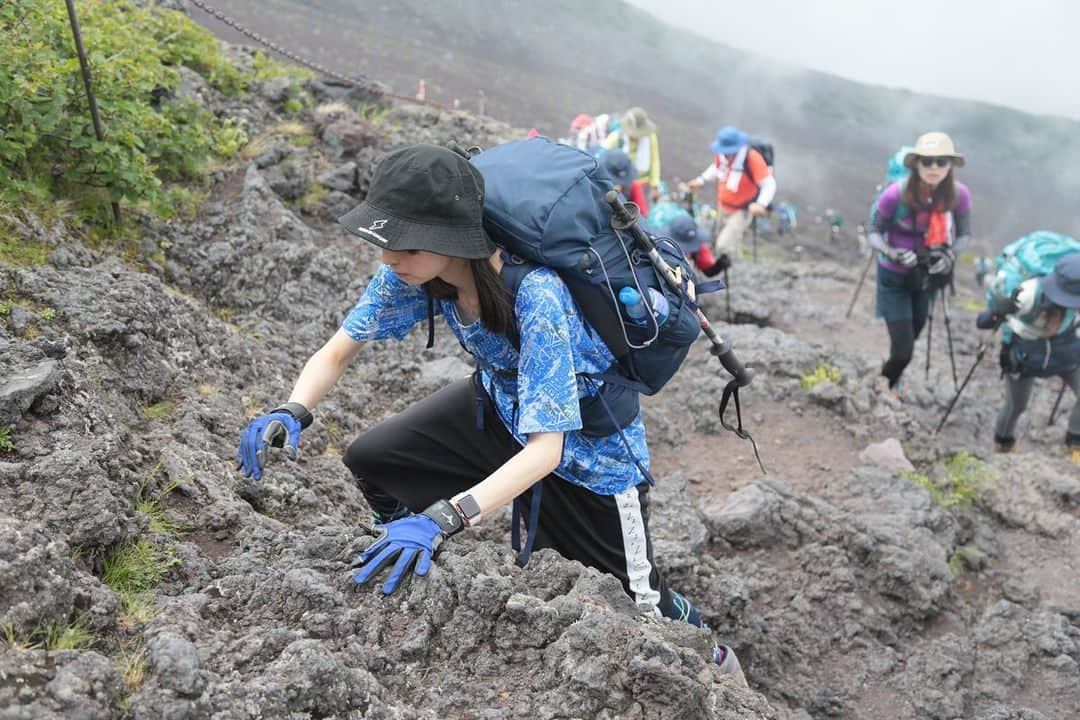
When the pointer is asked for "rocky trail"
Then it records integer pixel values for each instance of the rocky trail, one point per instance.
(142, 577)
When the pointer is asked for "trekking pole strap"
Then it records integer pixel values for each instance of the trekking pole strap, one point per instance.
(731, 391)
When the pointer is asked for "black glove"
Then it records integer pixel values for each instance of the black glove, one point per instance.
(1006, 306)
(941, 261)
(1007, 360)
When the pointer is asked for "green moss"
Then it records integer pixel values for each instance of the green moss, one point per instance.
(6, 443)
(957, 566)
(822, 373)
(160, 410)
(966, 479)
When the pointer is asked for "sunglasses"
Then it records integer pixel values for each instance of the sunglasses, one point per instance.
(931, 161)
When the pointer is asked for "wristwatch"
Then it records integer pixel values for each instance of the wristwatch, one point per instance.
(468, 507)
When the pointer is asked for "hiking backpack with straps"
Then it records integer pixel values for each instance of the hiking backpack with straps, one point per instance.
(1034, 256)
(544, 205)
(765, 148)
(895, 172)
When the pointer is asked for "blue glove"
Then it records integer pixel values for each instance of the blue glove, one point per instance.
(280, 428)
(413, 539)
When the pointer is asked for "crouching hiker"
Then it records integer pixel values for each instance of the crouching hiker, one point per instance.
(514, 429)
(1041, 339)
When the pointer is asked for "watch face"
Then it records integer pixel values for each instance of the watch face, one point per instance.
(469, 507)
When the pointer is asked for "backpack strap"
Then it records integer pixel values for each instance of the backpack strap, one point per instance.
(531, 526)
(430, 322)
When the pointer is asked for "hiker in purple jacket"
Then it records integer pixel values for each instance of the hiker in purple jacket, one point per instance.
(917, 226)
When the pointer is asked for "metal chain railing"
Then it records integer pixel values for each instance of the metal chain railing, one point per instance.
(310, 64)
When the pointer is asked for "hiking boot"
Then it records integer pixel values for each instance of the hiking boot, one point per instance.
(728, 663)
(1004, 445)
(722, 263)
(893, 395)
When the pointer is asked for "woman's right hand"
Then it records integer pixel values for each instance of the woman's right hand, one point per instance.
(907, 258)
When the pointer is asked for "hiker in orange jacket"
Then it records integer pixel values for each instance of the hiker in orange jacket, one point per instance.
(744, 188)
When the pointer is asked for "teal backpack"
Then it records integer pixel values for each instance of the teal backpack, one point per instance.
(896, 172)
(1033, 255)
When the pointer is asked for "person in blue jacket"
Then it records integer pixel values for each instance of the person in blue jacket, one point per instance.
(433, 470)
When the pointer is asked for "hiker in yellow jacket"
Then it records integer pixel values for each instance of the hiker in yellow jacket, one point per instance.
(636, 137)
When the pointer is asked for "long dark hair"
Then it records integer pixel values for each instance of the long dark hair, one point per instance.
(943, 197)
(496, 302)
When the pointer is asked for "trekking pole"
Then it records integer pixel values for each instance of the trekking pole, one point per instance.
(948, 337)
(727, 295)
(1053, 411)
(753, 233)
(625, 218)
(929, 336)
(978, 359)
(862, 279)
(84, 66)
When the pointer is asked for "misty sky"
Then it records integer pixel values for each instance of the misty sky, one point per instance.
(1024, 53)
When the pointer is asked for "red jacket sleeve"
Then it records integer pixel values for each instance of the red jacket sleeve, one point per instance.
(637, 195)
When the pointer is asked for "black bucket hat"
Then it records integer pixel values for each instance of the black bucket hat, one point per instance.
(424, 197)
(1062, 286)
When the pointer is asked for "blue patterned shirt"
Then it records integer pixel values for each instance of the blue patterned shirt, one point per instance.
(539, 388)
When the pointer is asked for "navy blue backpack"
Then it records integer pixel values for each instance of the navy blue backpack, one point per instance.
(544, 205)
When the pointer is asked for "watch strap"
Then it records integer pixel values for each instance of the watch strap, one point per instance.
(445, 515)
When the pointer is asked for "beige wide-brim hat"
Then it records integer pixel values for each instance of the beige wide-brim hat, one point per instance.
(933, 144)
(636, 123)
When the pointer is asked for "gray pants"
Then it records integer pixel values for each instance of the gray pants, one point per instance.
(1017, 394)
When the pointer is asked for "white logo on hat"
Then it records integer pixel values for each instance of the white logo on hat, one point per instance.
(377, 225)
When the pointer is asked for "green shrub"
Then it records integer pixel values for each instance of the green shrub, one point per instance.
(822, 373)
(48, 149)
(6, 443)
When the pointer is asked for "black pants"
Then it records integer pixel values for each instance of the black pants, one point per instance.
(902, 336)
(433, 450)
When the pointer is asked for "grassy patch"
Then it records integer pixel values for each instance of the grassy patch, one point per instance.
(957, 566)
(822, 373)
(53, 636)
(133, 570)
(131, 664)
(136, 567)
(160, 410)
(973, 305)
(18, 252)
(298, 133)
(6, 443)
(73, 636)
(374, 113)
(966, 478)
